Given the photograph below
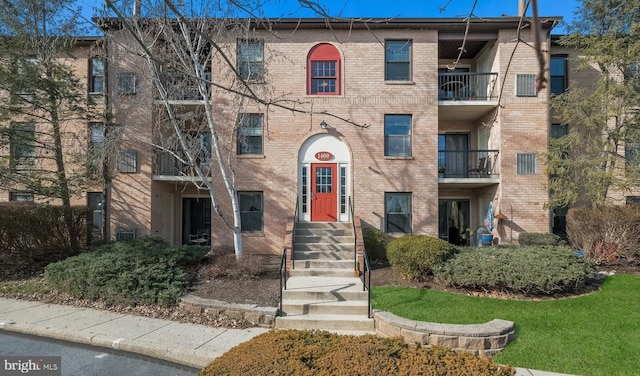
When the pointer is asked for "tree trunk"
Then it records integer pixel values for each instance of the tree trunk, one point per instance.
(63, 184)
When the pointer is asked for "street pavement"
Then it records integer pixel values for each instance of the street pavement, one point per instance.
(189, 344)
(192, 345)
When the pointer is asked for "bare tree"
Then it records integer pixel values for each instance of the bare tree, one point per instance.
(43, 101)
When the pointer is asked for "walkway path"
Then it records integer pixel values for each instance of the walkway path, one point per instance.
(189, 344)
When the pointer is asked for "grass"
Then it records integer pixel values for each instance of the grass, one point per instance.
(595, 334)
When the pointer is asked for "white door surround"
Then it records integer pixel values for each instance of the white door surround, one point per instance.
(325, 149)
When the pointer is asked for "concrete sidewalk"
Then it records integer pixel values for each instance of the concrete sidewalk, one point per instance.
(189, 344)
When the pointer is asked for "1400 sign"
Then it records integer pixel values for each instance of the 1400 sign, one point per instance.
(324, 156)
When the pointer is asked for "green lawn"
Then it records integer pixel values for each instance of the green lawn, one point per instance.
(596, 334)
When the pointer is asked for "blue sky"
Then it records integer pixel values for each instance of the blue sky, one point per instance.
(402, 8)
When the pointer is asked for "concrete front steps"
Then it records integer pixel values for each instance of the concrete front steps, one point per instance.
(323, 291)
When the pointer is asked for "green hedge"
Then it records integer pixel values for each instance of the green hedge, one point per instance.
(141, 271)
(300, 353)
(33, 235)
(375, 242)
(414, 256)
(526, 270)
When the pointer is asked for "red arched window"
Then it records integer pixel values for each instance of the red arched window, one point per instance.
(323, 70)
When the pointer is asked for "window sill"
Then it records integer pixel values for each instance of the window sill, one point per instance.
(394, 158)
(253, 234)
(403, 82)
(251, 156)
(257, 81)
(322, 95)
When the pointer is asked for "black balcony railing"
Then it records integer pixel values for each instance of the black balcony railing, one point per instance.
(168, 165)
(181, 87)
(467, 164)
(467, 86)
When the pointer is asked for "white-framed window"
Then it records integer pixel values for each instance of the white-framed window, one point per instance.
(251, 59)
(526, 164)
(558, 74)
(632, 151)
(23, 145)
(251, 211)
(397, 208)
(323, 66)
(305, 189)
(343, 190)
(397, 60)
(250, 134)
(397, 135)
(27, 71)
(97, 75)
(128, 161)
(96, 148)
(558, 130)
(126, 83)
(525, 85)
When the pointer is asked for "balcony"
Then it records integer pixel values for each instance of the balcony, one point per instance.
(168, 168)
(182, 88)
(476, 91)
(468, 168)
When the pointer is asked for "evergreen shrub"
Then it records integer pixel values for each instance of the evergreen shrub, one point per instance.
(415, 256)
(375, 243)
(525, 270)
(301, 353)
(141, 271)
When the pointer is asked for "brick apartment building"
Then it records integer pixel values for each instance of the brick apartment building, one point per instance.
(23, 153)
(439, 147)
(396, 135)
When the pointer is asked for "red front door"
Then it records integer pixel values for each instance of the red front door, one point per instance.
(324, 195)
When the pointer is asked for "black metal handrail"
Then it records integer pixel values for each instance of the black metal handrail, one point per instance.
(283, 273)
(283, 260)
(366, 272)
(355, 236)
(468, 163)
(366, 279)
(293, 230)
(467, 86)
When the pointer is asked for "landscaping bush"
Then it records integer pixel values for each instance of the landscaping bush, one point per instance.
(539, 238)
(141, 271)
(526, 270)
(33, 235)
(414, 256)
(299, 353)
(605, 233)
(375, 242)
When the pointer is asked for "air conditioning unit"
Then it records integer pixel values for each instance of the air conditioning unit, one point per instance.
(125, 234)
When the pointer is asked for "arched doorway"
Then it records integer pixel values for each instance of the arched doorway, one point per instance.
(324, 163)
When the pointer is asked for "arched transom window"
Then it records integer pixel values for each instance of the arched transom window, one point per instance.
(323, 67)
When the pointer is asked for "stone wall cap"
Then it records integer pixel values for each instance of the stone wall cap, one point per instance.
(494, 327)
